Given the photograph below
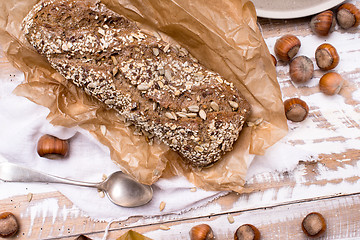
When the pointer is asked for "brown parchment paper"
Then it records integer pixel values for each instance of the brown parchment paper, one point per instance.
(223, 35)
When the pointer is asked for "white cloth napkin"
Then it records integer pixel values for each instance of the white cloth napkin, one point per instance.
(22, 123)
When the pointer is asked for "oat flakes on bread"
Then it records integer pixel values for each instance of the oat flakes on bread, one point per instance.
(157, 87)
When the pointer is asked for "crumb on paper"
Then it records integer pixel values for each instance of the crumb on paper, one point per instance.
(103, 129)
(156, 172)
(257, 122)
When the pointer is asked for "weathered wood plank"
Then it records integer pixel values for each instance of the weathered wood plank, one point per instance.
(48, 215)
(278, 222)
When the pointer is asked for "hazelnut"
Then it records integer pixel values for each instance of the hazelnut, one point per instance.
(287, 47)
(247, 232)
(313, 224)
(348, 15)
(326, 57)
(274, 59)
(301, 69)
(52, 147)
(323, 23)
(296, 110)
(201, 232)
(331, 83)
(8, 225)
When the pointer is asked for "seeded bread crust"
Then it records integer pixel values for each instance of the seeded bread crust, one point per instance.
(159, 88)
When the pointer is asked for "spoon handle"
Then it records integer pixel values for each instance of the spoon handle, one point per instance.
(10, 172)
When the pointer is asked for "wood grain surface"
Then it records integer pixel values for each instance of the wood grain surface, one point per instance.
(261, 205)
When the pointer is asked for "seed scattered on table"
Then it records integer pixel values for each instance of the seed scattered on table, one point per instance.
(230, 218)
(29, 197)
(101, 194)
(162, 206)
(164, 227)
(104, 177)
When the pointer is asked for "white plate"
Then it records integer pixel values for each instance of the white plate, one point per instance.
(286, 9)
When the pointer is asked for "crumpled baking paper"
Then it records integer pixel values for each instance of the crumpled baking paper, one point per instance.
(223, 35)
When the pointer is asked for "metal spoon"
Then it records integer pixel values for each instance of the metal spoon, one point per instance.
(119, 187)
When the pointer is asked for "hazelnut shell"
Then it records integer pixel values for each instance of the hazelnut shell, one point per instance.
(247, 232)
(314, 224)
(326, 57)
(8, 225)
(323, 23)
(52, 147)
(348, 15)
(201, 232)
(301, 69)
(273, 58)
(296, 110)
(286, 47)
(331, 83)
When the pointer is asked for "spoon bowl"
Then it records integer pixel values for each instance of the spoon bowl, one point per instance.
(120, 188)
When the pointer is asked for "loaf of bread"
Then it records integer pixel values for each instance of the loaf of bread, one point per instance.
(159, 88)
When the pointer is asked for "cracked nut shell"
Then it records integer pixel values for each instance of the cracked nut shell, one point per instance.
(348, 16)
(301, 69)
(201, 232)
(8, 225)
(326, 57)
(247, 232)
(331, 83)
(314, 224)
(286, 47)
(296, 110)
(323, 23)
(52, 147)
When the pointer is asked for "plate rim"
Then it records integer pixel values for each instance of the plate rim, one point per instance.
(273, 14)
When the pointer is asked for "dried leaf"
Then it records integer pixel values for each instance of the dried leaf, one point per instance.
(132, 235)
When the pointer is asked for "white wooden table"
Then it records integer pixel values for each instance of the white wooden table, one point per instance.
(273, 202)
